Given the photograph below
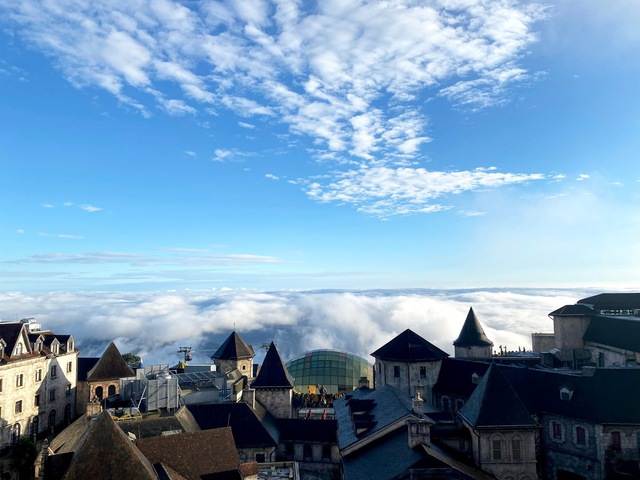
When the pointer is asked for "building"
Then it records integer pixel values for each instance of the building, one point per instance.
(234, 354)
(38, 372)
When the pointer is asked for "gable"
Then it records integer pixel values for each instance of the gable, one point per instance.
(110, 366)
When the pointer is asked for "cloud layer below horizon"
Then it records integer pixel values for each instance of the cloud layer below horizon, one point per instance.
(155, 325)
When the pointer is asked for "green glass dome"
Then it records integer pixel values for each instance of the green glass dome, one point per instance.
(338, 371)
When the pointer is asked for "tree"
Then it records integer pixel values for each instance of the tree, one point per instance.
(132, 360)
(23, 454)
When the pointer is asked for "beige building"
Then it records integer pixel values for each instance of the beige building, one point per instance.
(37, 380)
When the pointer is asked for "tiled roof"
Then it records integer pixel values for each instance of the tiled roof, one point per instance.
(10, 333)
(613, 301)
(193, 455)
(248, 430)
(495, 403)
(409, 347)
(153, 425)
(455, 376)
(105, 452)
(472, 334)
(273, 373)
(110, 366)
(619, 332)
(233, 348)
(573, 311)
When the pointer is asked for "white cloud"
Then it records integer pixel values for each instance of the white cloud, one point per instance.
(47, 205)
(155, 324)
(20, 231)
(246, 125)
(190, 153)
(271, 176)
(90, 208)
(582, 176)
(59, 235)
(385, 191)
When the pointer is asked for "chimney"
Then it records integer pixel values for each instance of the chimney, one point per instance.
(363, 383)
(418, 405)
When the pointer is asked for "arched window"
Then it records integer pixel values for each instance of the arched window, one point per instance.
(52, 419)
(111, 390)
(15, 434)
(67, 413)
(19, 348)
(497, 447)
(35, 426)
(516, 448)
(99, 392)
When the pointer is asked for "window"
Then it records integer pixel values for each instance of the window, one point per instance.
(55, 347)
(556, 430)
(18, 407)
(52, 394)
(19, 380)
(396, 371)
(67, 390)
(616, 442)
(423, 372)
(0, 385)
(35, 426)
(54, 371)
(581, 436)
(70, 346)
(36, 400)
(67, 413)
(516, 449)
(16, 432)
(111, 390)
(69, 367)
(52, 419)
(306, 451)
(496, 449)
(326, 452)
(260, 457)
(39, 375)
(19, 348)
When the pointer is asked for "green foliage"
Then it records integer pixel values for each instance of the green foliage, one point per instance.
(23, 454)
(131, 359)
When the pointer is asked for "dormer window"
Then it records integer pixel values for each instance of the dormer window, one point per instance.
(55, 348)
(18, 349)
(70, 345)
(475, 378)
(566, 394)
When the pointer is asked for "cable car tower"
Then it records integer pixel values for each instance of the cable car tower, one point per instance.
(187, 353)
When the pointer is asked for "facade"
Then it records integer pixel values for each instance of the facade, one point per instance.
(273, 386)
(37, 381)
(337, 371)
(234, 354)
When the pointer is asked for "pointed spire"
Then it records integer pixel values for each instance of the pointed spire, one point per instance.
(472, 334)
(111, 365)
(233, 348)
(273, 373)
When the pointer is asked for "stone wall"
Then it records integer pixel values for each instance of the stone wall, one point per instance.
(276, 401)
(408, 376)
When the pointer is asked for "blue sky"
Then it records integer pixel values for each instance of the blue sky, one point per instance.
(156, 145)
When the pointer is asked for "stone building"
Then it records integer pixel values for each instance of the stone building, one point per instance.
(37, 380)
(99, 378)
(273, 386)
(234, 354)
(409, 363)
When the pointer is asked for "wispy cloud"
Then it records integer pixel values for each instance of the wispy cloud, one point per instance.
(90, 208)
(272, 176)
(385, 191)
(582, 176)
(60, 235)
(345, 74)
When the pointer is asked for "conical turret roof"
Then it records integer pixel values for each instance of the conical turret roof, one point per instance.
(472, 334)
(233, 348)
(111, 365)
(273, 373)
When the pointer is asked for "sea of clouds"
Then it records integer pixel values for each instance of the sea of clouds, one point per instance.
(155, 325)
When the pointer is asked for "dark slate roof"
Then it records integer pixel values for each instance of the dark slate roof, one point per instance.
(273, 373)
(613, 301)
(111, 365)
(194, 455)
(233, 348)
(248, 430)
(455, 377)
(495, 403)
(153, 425)
(409, 347)
(301, 430)
(10, 333)
(389, 457)
(472, 334)
(573, 311)
(106, 452)
(85, 364)
(385, 406)
(619, 332)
